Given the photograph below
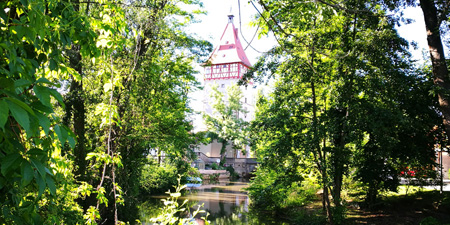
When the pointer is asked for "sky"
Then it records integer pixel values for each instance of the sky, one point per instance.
(211, 28)
(213, 24)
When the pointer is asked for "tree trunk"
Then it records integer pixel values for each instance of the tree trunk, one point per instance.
(440, 71)
(76, 109)
(223, 152)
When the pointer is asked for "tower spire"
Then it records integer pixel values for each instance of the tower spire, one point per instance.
(230, 18)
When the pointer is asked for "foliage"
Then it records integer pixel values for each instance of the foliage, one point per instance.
(345, 99)
(214, 176)
(233, 173)
(36, 182)
(156, 178)
(225, 121)
(172, 211)
(270, 190)
(214, 166)
(125, 86)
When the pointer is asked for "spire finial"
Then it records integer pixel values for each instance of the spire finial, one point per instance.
(230, 18)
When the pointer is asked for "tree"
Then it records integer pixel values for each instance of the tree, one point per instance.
(136, 97)
(436, 14)
(225, 121)
(34, 36)
(334, 80)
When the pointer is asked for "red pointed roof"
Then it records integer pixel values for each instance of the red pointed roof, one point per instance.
(230, 49)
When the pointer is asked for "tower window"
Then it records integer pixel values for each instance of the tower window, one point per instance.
(223, 86)
(245, 100)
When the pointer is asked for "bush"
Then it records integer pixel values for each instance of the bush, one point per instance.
(271, 190)
(214, 166)
(156, 179)
(300, 194)
(233, 174)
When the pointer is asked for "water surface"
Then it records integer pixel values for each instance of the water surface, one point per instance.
(226, 202)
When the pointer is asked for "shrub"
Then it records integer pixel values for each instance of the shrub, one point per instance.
(233, 174)
(214, 166)
(157, 179)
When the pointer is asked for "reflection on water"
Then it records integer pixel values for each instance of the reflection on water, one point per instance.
(223, 200)
(226, 201)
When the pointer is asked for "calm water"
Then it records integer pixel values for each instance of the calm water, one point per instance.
(226, 201)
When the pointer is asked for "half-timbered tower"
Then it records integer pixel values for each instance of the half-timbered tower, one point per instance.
(226, 66)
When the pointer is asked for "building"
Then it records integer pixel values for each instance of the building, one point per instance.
(226, 66)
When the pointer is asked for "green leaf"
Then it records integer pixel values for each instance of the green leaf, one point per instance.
(10, 162)
(21, 104)
(3, 15)
(44, 122)
(4, 113)
(51, 185)
(41, 107)
(72, 142)
(57, 96)
(36, 152)
(44, 81)
(41, 184)
(6, 83)
(52, 64)
(62, 133)
(43, 94)
(24, 3)
(38, 165)
(20, 115)
(22, 83)
(27, 173)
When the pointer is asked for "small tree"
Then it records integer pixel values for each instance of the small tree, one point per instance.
(225, 121)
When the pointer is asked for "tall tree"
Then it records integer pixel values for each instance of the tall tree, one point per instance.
(436, 14)
(348, 73)
(136, 95)
(226, 121)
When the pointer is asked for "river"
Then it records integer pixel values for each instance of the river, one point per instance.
(226, 201)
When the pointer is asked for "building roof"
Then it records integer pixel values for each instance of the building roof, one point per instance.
(229, 49)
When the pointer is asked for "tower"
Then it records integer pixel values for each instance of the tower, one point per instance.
(228, 60)
(226, 66)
